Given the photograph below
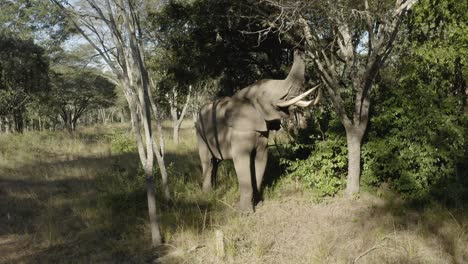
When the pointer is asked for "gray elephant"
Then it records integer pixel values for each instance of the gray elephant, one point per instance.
(237, 128)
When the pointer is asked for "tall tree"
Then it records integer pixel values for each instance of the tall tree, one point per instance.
(114, 29)
(348, 43)
(38, 20)
(76, 91)
(23, 74)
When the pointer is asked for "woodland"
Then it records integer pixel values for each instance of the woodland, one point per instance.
(101, 143)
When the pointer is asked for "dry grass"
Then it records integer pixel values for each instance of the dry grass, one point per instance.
(69, 199)
(368, 230)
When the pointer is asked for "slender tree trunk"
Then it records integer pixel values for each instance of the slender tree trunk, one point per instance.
(19, 122)
(122, 116)
(354, 136)
(176, 118)
(175, 134)
(147, 163)
(159, 148)
(164, 176)
(151, 197)
(7, 125)
(175, 130)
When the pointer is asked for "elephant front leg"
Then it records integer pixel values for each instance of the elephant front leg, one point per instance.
(242, 166)
(243, 143)
(261, 159)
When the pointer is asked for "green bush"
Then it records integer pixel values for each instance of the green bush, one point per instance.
(122, 142)
(417, 133)
(325, 168)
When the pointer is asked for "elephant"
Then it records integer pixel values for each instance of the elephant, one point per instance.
(237, 128)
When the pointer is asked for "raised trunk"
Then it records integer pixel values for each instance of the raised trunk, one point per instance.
(354, 136)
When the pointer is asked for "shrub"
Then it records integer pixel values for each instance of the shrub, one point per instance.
(122, 142)
(325, 168)
(417, 134)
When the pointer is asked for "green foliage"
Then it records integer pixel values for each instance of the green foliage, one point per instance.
(325, 168)
(416, 139)
(417, 135)
(203, 40)
(75, 91)
(27, 19)
(23, 72)
(122, 142)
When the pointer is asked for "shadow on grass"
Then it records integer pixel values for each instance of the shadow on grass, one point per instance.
(98, 213)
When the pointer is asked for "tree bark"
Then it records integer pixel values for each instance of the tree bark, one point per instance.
(7, 126)
(158, 149)
(122, 19)
(353, 137)
(175, 128)
(151, 197)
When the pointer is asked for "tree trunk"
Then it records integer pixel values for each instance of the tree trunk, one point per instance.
(19, 122)
(175, 129)
(178, 118)
(175, 134)
(158, 146)
(354, 136)
(122, 116)
(7, 125)
(151, 197)
(163, 171)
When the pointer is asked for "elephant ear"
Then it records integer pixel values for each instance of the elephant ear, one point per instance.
(265, 107)
(267, 96)
(242, 116)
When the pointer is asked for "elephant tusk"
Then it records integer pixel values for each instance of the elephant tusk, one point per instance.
(297, 98)
(303, 103)
(307, 103)
(319, 96)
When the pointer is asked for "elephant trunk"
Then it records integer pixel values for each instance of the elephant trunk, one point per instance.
(296, 77)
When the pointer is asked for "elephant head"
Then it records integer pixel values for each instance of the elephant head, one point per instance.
(261, 105)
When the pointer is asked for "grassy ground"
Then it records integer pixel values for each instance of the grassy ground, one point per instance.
(80, 199)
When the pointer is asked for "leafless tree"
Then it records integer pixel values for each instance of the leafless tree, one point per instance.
(113, 28)
(348, 42)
